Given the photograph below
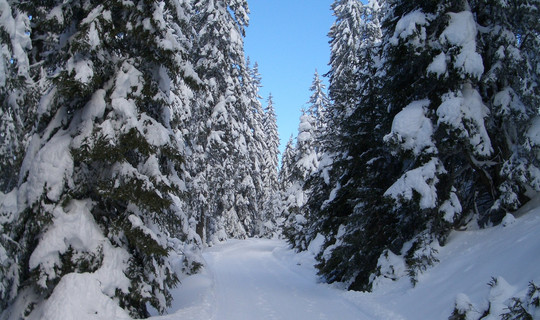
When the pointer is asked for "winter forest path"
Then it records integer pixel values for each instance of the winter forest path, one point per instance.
(261, 279)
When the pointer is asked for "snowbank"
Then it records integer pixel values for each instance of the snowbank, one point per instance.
(505, 256)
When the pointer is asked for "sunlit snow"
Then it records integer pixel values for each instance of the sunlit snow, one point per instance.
(264, 279)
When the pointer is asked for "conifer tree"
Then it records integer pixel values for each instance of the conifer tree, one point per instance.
(272, 152)
(16, 88)
(99, 190)
(423, 145)
(286, 165)
(510, 57)
(304, 164)
(311, 150)
(16, 92)
(222, 134)
(271, 201)
(258, 138)
(351, 146)
(319, 104)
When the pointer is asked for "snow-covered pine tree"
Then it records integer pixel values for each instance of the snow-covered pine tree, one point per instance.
(271, 210)
(287, 159)
(510, 90)
(257, 145)
(304, 165)
(16, 88)
(258, 142)
(480, 105)
(272, 152)
(287, 183)
(438, 94)
(221, 135)
(98, 203)
(318, 105)
(317, 112)
(345, 39)
(409, 177)
(354, 163)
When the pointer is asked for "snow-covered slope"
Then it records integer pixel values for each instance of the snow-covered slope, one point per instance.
(263, 279)
(509, 253)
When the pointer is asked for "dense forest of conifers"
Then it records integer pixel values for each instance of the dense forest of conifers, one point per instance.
(132, 135)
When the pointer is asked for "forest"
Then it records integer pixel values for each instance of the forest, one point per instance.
(133, 137)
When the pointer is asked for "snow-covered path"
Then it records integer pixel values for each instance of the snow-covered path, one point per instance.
(262, 279)
(253, 279)
(259, 279)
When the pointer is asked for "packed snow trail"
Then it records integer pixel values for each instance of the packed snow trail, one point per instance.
(261, 279)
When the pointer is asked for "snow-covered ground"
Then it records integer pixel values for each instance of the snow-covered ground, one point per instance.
(259, 279)
(263, 279)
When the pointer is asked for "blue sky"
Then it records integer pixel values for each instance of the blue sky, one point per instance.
(288, 39)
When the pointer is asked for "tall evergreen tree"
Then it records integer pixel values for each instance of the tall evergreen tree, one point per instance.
(510, 91)
(287, 158)
(353, 133)
(304, 164)
(271, 210)
(98, 201)
(423, 144)
(319, 104)
(221, 134)
(309, 149)
(16, 92)
(272, 152)
(16, 88)
(258, 142)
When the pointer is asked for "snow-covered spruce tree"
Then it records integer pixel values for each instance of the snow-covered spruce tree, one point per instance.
(98, 204)
(250, 192)
(221, 166)
(287, 158)
(318, 105)
(272, 152)
(346, 36)
(347, 205)
(262, 148)
(16, 97)
(436, 108)
(271, 205)
(510, 90)
(287, 181)
(304, 165)
(257, 143)
(410, 177)
(309, 148)
(16, 92)
(476, 92)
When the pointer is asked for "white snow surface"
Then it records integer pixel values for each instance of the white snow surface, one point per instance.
(461, 32)
(83, 69)
(408, 25)
(465, 112)
(467, 263)
(92, 304)
(264, 279)
(421, 180)
(259, 279)
(533, 133)
(438, 66)
(412, 129)
(51, 169)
